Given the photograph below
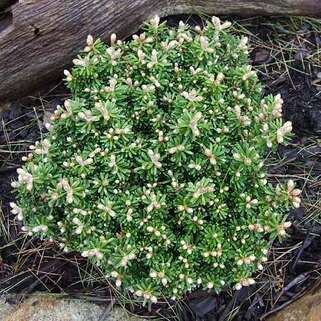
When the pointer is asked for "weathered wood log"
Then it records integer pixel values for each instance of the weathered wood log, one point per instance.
(39, 38)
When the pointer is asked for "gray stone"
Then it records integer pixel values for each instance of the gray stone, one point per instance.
(50, 308)
(5, 309)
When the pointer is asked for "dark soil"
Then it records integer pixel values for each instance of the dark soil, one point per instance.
(29, 265)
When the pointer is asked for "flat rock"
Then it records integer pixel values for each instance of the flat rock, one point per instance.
(5, 309)
(308, 308)
(50, 308)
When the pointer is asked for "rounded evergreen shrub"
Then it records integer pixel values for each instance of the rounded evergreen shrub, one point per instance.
(155, 168)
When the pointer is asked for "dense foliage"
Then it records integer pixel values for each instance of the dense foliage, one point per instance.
(155, 168)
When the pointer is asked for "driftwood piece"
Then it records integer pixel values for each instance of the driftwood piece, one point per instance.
(39, 38)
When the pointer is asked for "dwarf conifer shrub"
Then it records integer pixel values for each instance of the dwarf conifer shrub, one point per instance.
(155, 168)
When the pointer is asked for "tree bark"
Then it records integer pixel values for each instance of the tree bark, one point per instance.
(39, 38)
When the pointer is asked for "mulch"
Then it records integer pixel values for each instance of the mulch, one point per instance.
(294, 266)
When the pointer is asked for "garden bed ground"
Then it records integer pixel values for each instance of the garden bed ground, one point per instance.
(287, 55)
